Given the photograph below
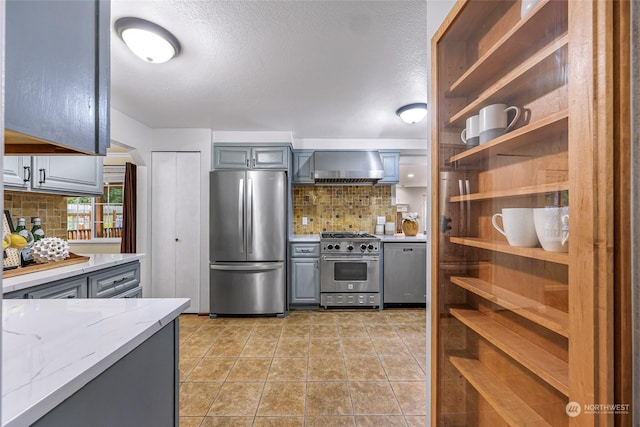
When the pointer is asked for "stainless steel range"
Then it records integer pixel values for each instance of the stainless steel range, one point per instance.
(349, 270)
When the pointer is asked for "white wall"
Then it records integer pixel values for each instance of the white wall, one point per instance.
(415, 198)
(134, 135)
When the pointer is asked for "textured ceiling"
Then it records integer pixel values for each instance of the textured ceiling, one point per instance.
(321, 69)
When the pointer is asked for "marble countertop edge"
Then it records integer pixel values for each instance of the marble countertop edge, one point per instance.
(47, 402)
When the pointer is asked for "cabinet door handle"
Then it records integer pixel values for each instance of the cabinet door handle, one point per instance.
(27, 174)
(43, 176)
(318, 264)
(247, 162)
(444, 224)
(253, 163)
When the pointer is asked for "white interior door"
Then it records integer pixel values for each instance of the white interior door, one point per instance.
(175, 221)
(188, 235)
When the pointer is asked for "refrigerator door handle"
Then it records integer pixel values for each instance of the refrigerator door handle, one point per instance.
(241, 214)
(249, 215)
(256, 266)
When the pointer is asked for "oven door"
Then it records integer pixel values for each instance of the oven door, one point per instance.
(349, 273)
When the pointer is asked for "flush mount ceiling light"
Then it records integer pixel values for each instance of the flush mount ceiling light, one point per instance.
(148, 41)
(412, 113)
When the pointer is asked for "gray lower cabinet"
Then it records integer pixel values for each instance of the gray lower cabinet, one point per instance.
(141, 389)
(405, 273)
(305, 274)
(57, 76)
(114, 281)
(75, 288)
(121, 281)
(67, 175)
(272, 157)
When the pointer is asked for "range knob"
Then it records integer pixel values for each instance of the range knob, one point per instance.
(350, 248)
(337, 247)
(363, 246)
(370, 247)
(329, 246)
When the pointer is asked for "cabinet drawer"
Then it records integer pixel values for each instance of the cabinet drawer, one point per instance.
(304, 250)
(114, 281)
(131, 293)
(71, 289)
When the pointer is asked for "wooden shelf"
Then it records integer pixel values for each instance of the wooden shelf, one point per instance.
(545, 365)
(545, 316)
(504, 247)
(498, 89)
(513, 192)
(510, 47)
(507, 404)
(539, 130)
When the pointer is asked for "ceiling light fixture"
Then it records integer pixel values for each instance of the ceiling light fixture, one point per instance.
(410, 175)
(148, 41)
(412, 113)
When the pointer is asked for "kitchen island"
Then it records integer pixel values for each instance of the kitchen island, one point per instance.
(95, 362)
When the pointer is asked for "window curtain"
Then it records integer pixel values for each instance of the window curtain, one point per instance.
(128, 239)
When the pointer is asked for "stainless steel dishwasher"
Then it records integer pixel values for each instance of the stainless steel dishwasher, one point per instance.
(405, 273)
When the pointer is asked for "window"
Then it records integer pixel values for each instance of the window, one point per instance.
(100, 217)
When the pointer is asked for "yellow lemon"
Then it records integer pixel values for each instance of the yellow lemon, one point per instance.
(18, 242)
(5, 244)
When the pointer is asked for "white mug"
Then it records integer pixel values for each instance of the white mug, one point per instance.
(526, 6)
(494, 121)
(471, 134)
(552, 228)
(518, 226)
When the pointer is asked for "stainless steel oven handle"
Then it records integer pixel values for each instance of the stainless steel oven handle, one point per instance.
(351, 258)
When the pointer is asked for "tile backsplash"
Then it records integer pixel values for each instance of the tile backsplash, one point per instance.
(337, 208)
(52, 210)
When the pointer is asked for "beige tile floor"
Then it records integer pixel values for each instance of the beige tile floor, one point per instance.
(312, 368)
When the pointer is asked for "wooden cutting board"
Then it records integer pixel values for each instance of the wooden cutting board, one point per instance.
(73, 259)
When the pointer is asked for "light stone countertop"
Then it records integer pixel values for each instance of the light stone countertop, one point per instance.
(52, 348)
(385, 238)
(97, 262)
(401, 238)
(304, 238)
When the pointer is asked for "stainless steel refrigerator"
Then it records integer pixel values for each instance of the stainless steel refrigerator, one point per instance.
(248, 233)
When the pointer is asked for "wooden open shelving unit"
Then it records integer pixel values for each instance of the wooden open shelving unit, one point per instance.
(512, 409)
(505, 248)
(514, 192)
(524, 335)
(545, 316)
(544, 128)
(542, 363)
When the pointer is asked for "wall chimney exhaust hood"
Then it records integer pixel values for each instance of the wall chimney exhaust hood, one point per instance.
(347, 167)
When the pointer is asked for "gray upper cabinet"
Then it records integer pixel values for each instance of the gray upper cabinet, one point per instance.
(303, 167)
(251, 157)
(231, 157)
(391, 163)
(57, 76)
(67, 175)
(16, 172)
